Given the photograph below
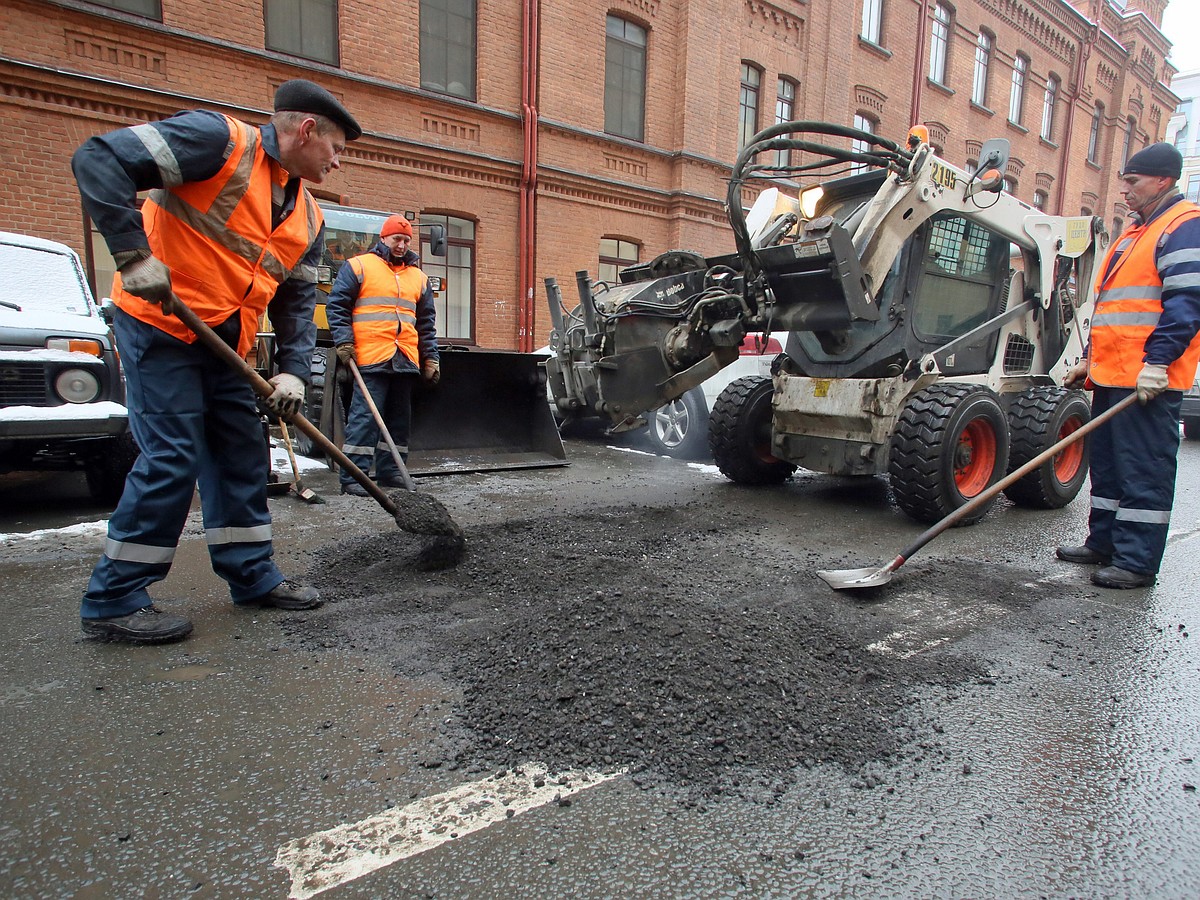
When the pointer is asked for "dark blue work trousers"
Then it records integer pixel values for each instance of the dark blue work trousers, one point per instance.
(1133, 463)
(195, 420)
(392, 393)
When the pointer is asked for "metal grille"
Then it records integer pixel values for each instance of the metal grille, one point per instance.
(22, 384)
(1018, 355)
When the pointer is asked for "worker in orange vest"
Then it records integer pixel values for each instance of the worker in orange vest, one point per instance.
(1145, 337)
(381, 314)
(230, 229)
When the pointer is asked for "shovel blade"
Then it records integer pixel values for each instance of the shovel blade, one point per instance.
(853, 579)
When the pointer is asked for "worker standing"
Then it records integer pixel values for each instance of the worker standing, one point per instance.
(1143, 339)
(229, 229)
(381, 315)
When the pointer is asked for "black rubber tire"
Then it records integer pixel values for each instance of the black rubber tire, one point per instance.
(680, 429)
(1037, 419)
(739, 433)
(106, 472)
(1191, 429)
(948, 433)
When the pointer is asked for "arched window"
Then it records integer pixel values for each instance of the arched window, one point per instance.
(1039, 200)
(785, 111)
(1127, 147)
(748, 103)
(625, 79)
(862, 122)
(1016, 97)
(872, 21)
(983, 64)
(939, 44)
(1093, 153)
(1049, 101)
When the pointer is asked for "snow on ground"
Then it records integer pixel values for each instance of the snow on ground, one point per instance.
(105, 409)
(84, 529)
(281, 463)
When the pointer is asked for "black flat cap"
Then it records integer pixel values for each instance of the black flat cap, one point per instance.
(301, 95)
(1160, 160)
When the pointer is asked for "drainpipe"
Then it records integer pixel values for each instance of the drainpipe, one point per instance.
(527, 213)
(1085, 51)
(918, 80)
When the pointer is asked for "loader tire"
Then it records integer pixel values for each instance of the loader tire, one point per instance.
(950, 444)
(739, 433)
(1038, 418)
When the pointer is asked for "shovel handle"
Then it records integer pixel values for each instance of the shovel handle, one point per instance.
(263, 388)
(984, 496)
(383, 429)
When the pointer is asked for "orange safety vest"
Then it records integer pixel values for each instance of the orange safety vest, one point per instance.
(385, 313)
(216, 238)
(1129, 303)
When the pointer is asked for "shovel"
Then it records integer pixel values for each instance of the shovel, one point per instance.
(301, 490)
(869, 577)
(414, 513)
(383, 429)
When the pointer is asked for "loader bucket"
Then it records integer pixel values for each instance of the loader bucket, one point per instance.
(489, 411)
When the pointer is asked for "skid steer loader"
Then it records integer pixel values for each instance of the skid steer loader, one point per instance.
(487, 412)
(929, 316)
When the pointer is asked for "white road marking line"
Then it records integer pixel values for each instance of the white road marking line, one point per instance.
(330, 858)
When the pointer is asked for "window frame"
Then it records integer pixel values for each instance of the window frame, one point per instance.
(299, 50)
(871, 25)
(430, 43)
(782, 102)
(1094, 136)
(1016, 95)
(1130, 133)
(1049, 107)
(619, 263)
(748, 90)
(939, 42)
(622, 123)
(863, 122)
(981, 77)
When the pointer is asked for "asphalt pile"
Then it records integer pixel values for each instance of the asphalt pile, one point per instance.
(666, 641)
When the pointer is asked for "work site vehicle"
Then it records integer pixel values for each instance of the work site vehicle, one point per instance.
(929, 319)
(488, 410)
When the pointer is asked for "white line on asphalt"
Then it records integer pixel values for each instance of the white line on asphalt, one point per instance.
(330, 858)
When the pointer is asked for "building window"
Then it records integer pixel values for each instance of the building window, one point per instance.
(1181, 138)
(1039, 201)
(625, 79)
(748, 104)
(1085, 210)
(972, 167)
(1016, 99)
(785, 111)
(616, 255)
(455, 302)
(1049, 101)
(1010, 186)
(1093, 153)
(1193, 188)
(1130, 132)
(939, 46)
(872, 21)
(862, 123)
(151, 9)
(448, 47)
(983, 62)
(307, 28)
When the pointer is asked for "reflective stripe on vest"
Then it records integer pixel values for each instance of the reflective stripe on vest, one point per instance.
(1129, 304)
(216, 236)
(385, 313)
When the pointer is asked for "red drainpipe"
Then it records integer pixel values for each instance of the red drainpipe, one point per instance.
(527, 214)
(918, 80)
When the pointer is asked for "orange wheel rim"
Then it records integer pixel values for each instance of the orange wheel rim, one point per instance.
(974, 458)
(1068, 462)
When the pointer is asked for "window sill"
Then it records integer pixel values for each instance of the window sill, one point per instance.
(948, 91)
(1092, 164)
(1016, 127)
(1046, 142)
(979, 107)
(874, 47)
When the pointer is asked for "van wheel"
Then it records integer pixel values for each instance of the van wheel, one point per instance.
(950, 445)
(106, 471)
(680, 428)
(1037, 419)
(739, 433)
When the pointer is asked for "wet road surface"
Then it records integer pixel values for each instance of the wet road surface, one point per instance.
(1067, 768)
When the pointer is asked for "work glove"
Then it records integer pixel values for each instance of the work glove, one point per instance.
(1077, 375)
(1151, 382)
(288, 396)
(148, 278)
(431, 372)
(345, 352)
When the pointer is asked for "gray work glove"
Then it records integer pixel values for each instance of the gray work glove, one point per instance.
(431, 372)
(1077, 376)
(1151, 382)
(345, 352)
(146, 277)
(288, 396)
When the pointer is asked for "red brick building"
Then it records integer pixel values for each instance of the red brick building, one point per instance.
(554, 137)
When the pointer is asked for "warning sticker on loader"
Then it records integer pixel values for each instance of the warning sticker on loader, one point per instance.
(821, 386)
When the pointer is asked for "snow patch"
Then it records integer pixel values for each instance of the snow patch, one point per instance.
(84, 529)
(105, 409)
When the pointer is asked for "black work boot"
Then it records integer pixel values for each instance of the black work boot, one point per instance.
(392, 481)
(1083, 554)
(147, 625)
(288, 595)
(1122, 579)
(354, 489)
